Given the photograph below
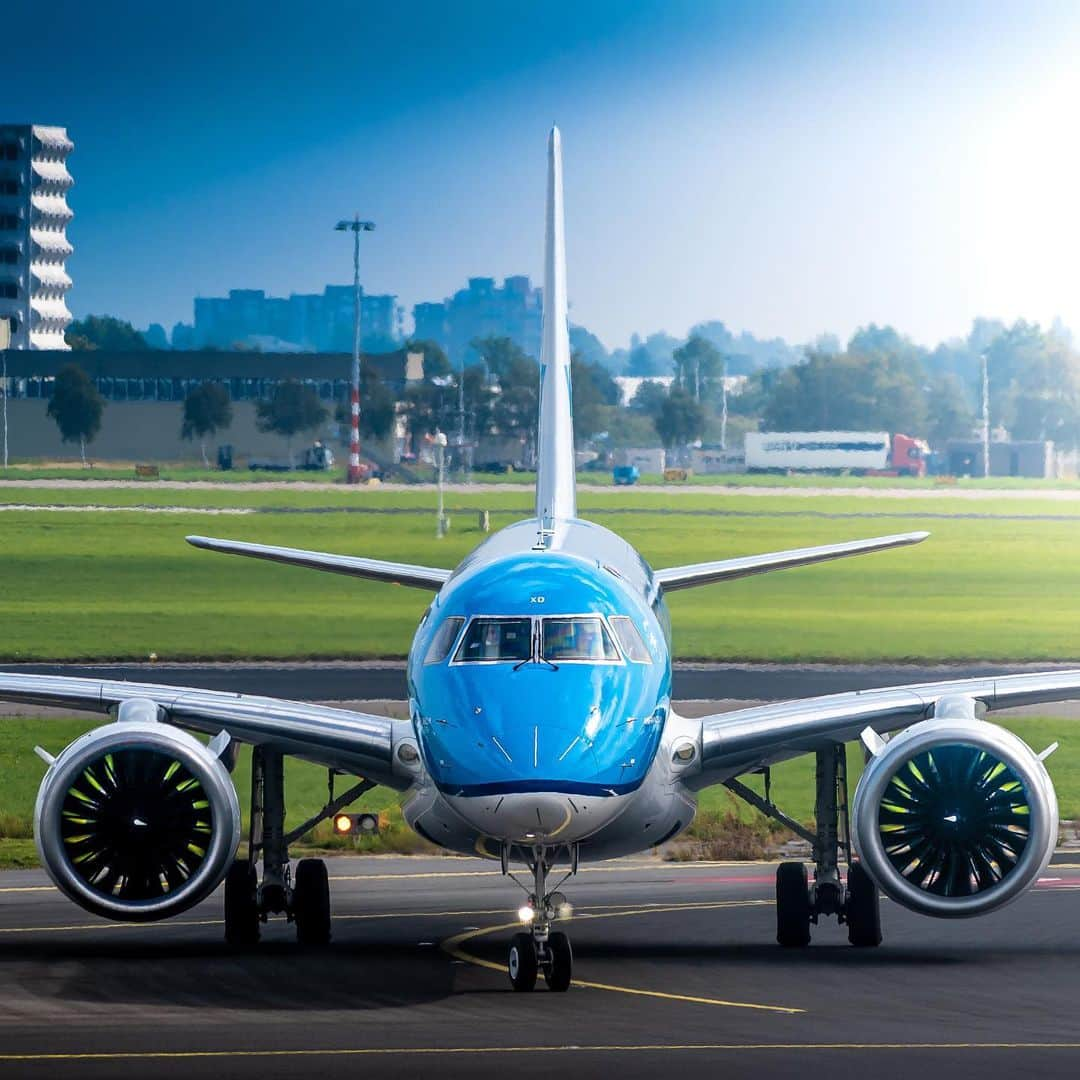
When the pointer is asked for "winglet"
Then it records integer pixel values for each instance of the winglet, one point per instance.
(555, 481)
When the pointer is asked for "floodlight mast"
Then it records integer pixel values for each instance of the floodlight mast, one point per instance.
(356, 227)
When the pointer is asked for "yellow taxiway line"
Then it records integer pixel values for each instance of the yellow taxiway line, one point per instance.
(572, 1048)
(453, 947)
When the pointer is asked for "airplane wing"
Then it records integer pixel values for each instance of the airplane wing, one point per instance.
(685, 577)
(420, 577)
(735, 742)
(354, 742)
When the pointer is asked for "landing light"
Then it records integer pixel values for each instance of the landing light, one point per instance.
(526, 914)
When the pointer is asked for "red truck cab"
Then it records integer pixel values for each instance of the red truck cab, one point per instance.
(909, 456)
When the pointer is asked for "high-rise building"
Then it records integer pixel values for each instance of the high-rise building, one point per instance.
(34, 214)
(317, 322)
(482, 310)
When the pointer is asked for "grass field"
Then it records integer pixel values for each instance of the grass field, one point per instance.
(1003, 584)
(188, 471)
(305, 785)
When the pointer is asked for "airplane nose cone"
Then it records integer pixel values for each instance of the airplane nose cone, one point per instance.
(543, 817)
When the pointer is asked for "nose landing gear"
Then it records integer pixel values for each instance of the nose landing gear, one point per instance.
(540, 949)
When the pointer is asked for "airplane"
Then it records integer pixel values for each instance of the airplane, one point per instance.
(541, 733)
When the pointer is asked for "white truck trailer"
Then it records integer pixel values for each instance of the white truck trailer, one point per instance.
(836, 451)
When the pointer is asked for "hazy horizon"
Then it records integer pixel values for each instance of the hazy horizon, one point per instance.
(789, 169)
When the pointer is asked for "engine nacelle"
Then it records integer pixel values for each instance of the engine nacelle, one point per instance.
(955, 817)
(137, 820)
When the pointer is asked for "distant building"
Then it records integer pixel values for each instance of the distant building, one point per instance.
(1015, 457)
(315, 322)
(34, 213)
(482, 310)
(145, 390)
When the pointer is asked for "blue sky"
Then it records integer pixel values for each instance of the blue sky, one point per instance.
(790, 168)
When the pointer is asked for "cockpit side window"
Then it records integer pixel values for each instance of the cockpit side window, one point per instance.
(496, 639)
(443, 641)
(577, 638)
(629, 638)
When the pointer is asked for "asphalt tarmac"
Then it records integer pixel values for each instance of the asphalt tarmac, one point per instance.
(675, 965)
(342, 681)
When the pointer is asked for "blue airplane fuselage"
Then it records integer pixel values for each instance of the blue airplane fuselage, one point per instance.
(523, 751)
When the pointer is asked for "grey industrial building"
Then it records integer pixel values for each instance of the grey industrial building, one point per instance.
(145, 390)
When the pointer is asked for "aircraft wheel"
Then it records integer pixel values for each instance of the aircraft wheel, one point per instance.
(522, 963)
(559, 969)
(311, 902)
(241, 905)
(792, 905)
(863, 909)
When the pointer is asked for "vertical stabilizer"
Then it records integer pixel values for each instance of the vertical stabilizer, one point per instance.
(555, 496)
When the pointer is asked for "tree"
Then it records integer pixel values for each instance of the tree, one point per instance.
(847, 392)
(517, 405)
(76, 406)
(207, 410)
(377, 405)
(948, 412)
(1045, 401)
(681, 419)
(697, 365)
(502, 355)
(294, 407)
(649, 398)
(594, 392)
(436, 363)
(104, 332)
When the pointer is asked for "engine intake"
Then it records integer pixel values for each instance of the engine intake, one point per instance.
(137, 821)
(955, 817)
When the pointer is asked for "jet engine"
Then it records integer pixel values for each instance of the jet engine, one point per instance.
(137, 820)
(954, 816)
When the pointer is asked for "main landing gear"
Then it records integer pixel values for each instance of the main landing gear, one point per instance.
(541, 949)
(800, 903)
(304, 899)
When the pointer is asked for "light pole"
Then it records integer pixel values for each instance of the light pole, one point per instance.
(356, 227)
(5, 344)
(439, 442)
(985, 416)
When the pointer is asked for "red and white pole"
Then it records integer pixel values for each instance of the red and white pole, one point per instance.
(354, 436)
(355, 474)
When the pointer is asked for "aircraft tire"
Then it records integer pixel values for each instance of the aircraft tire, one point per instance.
(522, 964)
(863, 910)
(792, 905)
(241, 905)
(311, 902)
(559, 969)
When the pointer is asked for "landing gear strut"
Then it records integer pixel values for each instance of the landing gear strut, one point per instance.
(303, 900)
(800, 904)
(540, 949)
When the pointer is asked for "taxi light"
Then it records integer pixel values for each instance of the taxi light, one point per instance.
(526, 914)
(363, 824)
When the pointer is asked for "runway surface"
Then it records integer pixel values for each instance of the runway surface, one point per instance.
(676, 970)
(386, 680)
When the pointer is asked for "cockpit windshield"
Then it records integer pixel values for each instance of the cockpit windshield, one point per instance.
(577, 638)
(496, 639)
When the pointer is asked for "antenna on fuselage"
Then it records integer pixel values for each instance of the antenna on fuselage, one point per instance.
(556, 498)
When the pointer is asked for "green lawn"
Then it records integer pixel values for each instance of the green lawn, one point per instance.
(793, 783)
(112, 585)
